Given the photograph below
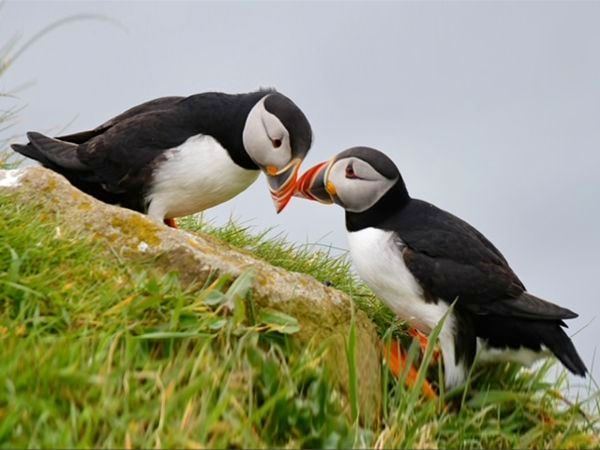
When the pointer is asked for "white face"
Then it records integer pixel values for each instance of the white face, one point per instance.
(357, 185)
(265, 138)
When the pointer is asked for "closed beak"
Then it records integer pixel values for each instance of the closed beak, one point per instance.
(282, 183)
(313, 184)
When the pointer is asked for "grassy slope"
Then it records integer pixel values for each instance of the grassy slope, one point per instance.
(97, 353)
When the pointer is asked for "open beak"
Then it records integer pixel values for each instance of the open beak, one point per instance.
(282, 183)
(313, 184)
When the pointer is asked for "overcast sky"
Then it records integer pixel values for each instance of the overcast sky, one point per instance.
(491, 110)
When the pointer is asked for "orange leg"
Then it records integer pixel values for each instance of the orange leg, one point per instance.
(423, 342)
(171, 223)
(397, 360)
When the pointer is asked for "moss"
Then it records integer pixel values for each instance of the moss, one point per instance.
(85, 206)
(49, 186)
(142, 228)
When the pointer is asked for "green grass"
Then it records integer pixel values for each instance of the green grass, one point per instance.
(96, 353)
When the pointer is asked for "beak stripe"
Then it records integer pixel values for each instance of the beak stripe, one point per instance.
(309, 185)
(330, 188)
(281, 194)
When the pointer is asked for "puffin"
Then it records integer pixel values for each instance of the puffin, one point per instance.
(419, 260)
(175, 156)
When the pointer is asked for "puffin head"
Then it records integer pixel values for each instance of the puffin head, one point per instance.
(356, 179)
(277, 137)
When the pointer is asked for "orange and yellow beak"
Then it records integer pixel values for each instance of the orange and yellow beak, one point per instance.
(282, 183)
(313, 184)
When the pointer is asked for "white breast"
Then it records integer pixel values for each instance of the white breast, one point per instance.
(197, 175)
(377, 257)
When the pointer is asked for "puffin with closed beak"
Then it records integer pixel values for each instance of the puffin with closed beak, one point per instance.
(175, 156)
(419, 259)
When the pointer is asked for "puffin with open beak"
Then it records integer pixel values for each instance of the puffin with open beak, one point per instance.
(175, 156)
(419, 259)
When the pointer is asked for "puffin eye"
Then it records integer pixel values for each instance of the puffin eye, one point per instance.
(350, 172)
(276, 143)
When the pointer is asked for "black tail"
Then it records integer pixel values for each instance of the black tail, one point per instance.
(559, 343)
(61, 156)
(52, 153)
(30, 151)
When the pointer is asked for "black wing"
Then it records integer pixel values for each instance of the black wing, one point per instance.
(40, 151)
(120, 157)
(451, 259)
(117, 154)
(158, 104)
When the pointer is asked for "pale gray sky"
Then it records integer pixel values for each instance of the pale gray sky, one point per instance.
(491, 110)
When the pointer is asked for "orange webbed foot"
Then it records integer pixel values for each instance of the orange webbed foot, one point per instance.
(397, 361)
